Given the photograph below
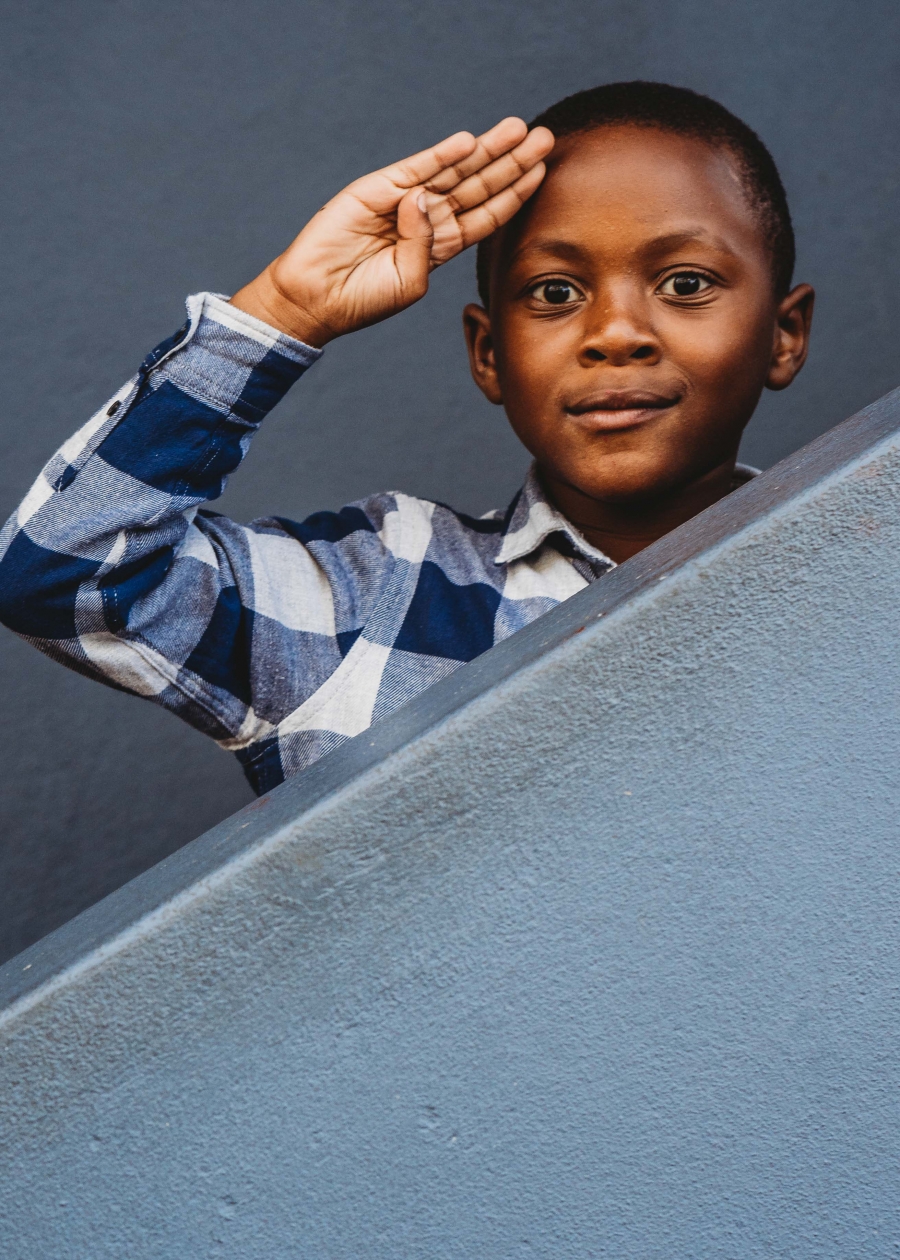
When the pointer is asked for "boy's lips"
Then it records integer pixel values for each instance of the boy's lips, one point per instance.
(619, 408)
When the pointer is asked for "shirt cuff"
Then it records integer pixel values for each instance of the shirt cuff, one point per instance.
(230, 360)
(218, 307)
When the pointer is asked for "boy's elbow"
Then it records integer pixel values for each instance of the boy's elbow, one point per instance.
(39, 588)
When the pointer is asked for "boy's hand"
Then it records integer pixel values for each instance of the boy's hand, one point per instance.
(368, 253)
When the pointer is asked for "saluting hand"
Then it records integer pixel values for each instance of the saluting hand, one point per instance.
(368, 253)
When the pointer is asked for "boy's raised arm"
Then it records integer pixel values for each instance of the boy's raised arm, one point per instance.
(112, 565)
(368, 253)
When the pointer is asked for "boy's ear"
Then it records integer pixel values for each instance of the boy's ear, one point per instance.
(482, 358)
(793, 320)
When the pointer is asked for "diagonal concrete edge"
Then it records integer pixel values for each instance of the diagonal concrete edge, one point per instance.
(166, 889)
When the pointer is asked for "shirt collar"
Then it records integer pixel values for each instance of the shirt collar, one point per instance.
(533, 519)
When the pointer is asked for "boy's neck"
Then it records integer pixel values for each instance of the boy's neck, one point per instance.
(620, 530)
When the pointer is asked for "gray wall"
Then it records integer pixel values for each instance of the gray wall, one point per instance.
(151, 150)
(591, 950)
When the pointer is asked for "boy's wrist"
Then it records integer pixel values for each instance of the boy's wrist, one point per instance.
(263, 299)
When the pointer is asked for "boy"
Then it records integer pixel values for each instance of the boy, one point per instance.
(633, 310)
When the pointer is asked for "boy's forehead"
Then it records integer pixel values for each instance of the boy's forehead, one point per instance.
(637, 180)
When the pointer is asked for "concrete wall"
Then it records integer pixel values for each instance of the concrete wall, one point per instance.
(592, 950)
(147, 152)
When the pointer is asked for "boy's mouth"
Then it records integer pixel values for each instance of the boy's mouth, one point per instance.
(619, 408)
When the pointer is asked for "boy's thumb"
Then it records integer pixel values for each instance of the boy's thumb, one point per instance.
(415, 238)
(413, 222)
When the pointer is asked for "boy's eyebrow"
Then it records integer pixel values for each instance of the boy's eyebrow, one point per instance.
(688, 236)
(572, 252)
(558, 248)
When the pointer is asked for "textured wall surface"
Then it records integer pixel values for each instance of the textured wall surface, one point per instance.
(591, 950)
(147, 153)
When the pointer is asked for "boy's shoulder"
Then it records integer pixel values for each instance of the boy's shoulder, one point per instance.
(358, 548)
(400, 521)
(403, 523)
(371, 536)
(402, 526)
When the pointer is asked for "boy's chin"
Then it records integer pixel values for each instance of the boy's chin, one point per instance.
(632, 479)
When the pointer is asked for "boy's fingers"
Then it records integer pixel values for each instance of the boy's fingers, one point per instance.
(476, 224)
(502, 137)
(503, 172)
(421, 167)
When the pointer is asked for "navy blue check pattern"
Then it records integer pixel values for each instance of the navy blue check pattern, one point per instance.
(279, 639)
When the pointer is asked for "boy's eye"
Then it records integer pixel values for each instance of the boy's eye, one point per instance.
(685, 284)
(555, 292)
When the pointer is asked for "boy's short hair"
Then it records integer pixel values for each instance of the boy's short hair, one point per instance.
(684, 113)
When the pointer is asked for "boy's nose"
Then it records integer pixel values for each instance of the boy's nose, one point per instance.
(620, 337)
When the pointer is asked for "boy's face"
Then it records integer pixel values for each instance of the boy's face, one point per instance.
(633, 320)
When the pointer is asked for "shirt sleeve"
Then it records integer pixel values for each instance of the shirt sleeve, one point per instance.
(111, 565)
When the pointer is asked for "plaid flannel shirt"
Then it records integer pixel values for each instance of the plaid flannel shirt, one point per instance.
(279, 639)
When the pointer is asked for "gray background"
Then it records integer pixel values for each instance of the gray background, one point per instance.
(152, 150)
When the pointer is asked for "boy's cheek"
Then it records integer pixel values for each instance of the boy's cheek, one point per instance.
(530, 351)
(722, 351)
(531, 394)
